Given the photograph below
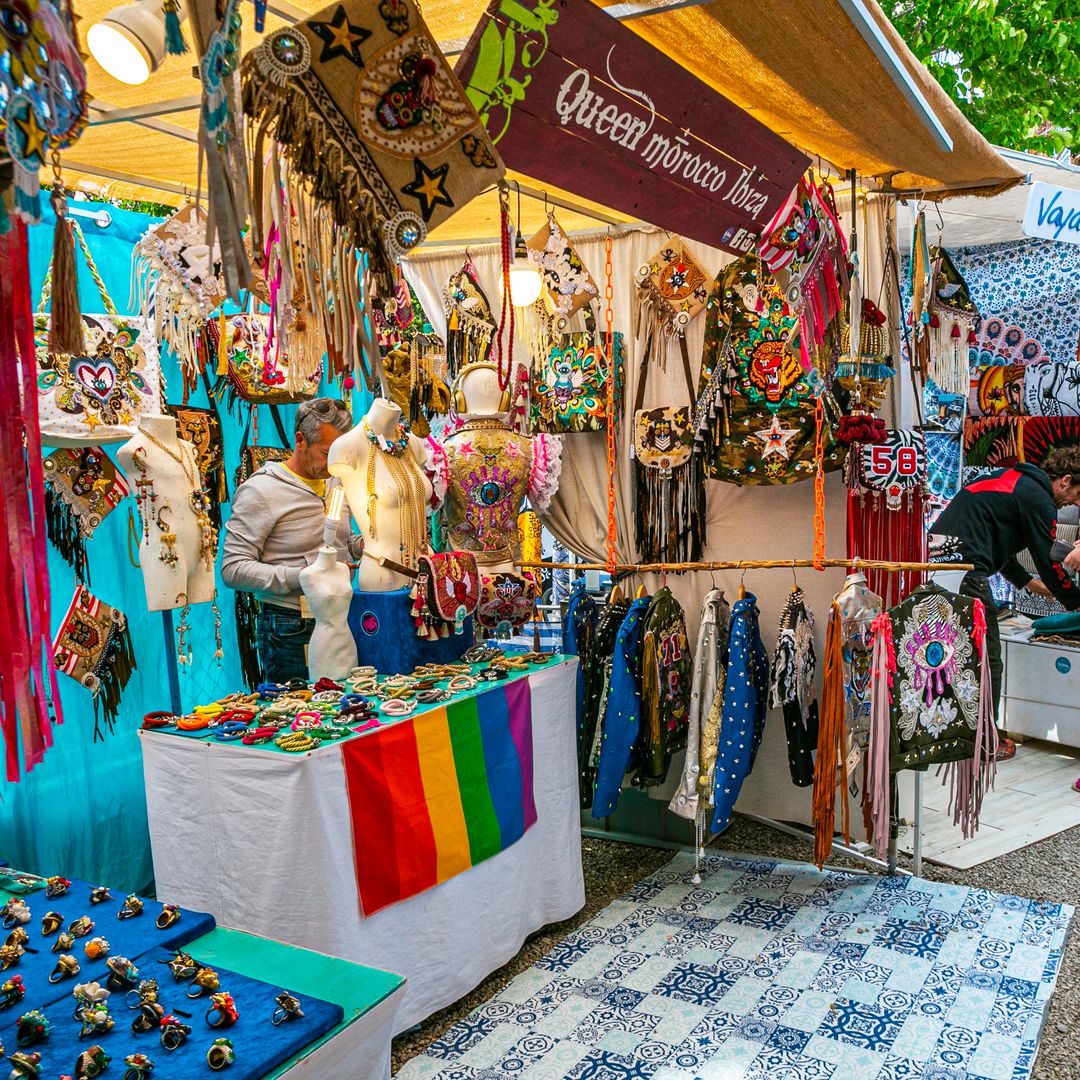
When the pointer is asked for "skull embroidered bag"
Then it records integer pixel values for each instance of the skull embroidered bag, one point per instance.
(98, 396)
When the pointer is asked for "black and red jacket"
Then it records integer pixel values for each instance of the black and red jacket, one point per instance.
(993, 519)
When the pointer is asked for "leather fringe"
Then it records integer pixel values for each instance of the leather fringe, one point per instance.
(247, 611)
(669, 525)
(831, 757)
(114, 670)
(65, 534)
(875, 532)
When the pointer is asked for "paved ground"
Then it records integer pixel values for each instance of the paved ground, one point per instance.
(1042, 872)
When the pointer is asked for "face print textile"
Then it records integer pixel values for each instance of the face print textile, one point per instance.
(791, 686)
(597, 672)
(622, 711)
(706, 681)
(666, 669)
(743, 720)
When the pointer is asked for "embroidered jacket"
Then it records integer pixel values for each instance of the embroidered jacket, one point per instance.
(707, 681)
(791, 684)
(743, 719)
(622, 711)
(577, 628)
(666, 667)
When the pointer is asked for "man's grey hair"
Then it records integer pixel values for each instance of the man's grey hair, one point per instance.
(311, 416)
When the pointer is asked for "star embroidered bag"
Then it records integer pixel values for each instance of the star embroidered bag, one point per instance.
(99, 395)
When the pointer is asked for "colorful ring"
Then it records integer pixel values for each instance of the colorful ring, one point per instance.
(12, 991)
(51, 921)
(288, 1008)
(147, 990)
(56, 886)
(33, 1027)
(81, 926)
(222, 1011)
(10, 955)
(132, 906)
(64, 942)
(19, 937)
(170, 914)
(173, 1032)
(139, 1067)
(26, 1065)
(183, 966)
(15, 913)
(96, 948)
(122, 972)
(149, 1018)
(100, 894)
(205, 979)
(221, 1054)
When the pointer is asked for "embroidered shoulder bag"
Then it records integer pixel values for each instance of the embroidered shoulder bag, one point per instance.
(669, 476)
(98, 396)
(446, 593)
(569, 388)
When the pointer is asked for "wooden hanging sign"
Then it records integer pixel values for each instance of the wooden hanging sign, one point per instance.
(573, 98)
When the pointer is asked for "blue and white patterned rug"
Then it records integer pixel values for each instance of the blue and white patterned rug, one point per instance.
(774, 971)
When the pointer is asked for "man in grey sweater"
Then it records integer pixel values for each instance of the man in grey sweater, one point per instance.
(276, 529)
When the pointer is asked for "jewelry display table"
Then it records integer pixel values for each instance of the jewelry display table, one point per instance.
(263, 841)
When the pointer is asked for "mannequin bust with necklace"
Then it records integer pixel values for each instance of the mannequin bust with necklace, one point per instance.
(381, 467)
(490, 470)
(178, 542)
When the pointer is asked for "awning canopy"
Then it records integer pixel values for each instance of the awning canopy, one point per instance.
(834, 78)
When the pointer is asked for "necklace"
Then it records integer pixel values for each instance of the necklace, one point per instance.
(408, 483)
(396, 446)
(198, 499)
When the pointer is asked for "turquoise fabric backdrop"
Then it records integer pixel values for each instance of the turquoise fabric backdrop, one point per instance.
(82, 812)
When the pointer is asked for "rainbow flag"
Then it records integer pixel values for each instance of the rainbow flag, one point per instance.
(437, 793)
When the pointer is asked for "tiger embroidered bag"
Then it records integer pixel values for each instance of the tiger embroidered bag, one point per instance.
(99, 395)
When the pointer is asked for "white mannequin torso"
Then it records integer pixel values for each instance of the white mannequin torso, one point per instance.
(187, 580)
(327, 586)
(349, 459)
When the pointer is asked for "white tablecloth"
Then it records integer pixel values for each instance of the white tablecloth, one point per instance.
(262, 841)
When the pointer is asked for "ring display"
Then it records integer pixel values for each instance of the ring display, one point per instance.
(288, 1008)
(51, 921)
(222, 1011)
(56, 886)
(137, 1067)
(132, 906)
(32, 1027)
(66, 968)
(174, 1032)
(170, 914)
(206, 979)
(12, 991)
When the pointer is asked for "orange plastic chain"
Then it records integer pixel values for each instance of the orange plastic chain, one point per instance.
(609, 351)
(819, 485)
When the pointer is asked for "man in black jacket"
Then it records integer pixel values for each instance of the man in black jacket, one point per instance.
(991, 520)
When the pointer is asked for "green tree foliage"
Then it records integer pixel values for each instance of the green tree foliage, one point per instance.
(1013, 66)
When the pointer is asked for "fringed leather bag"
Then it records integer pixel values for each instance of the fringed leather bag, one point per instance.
(82, 487)
(669, 477)
(93, 646)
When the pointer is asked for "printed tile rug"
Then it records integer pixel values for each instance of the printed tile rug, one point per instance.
(774, 971)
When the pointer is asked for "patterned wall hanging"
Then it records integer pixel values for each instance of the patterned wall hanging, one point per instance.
(669, 477)
(367, 109)
(82, 487)
(93, 646)
(932, 702)
(755, 413)
(886, 495)
(944, 461)
(806, 251)
(470, 326)
(997, 390)
(1052, 388)
(1000, 441)
(98, 395)
(1000, 342)
(173, 270)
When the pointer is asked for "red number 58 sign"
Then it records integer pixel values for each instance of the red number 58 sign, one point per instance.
(896, 462)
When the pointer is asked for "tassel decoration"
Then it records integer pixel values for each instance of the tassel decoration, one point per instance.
(117, 664)
(878, 776)
(669, 525)
(247, 611)
(830, 748)
(64, 531)
(426, 69)
(65, 324)
(175, 45)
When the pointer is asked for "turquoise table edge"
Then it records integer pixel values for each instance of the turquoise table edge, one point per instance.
(356, 988)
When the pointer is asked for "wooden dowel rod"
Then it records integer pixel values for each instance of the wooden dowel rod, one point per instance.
(746, 564)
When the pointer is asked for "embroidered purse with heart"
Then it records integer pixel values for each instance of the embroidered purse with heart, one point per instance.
(445, 594)
(99, 395)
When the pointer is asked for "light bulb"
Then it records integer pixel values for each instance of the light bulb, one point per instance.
(525, 282)
(120, 57)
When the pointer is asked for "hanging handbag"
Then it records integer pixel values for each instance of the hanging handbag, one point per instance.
(669, 476)
(99, 395)
(507, 602)
(568, 285)
(569, 386)
(253, 457)
(252, 372)
(445, 594)
(202, 428)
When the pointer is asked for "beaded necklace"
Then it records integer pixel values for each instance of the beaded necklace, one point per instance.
(408, 483)
(396, 446)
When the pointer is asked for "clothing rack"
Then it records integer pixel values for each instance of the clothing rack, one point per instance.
(852, 565)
